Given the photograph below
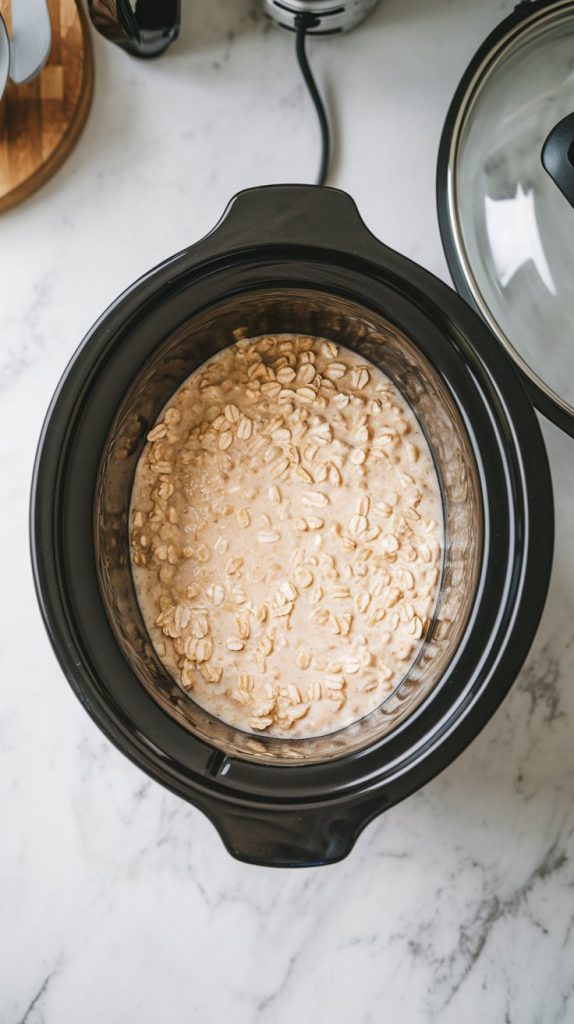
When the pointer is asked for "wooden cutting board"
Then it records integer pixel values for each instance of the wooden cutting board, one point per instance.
(41, 121)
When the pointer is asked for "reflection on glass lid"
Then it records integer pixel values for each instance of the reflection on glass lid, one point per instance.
(513, 228)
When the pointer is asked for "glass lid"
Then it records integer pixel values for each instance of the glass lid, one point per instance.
(507, 225)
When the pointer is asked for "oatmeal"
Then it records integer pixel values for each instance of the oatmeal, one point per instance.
(286, 534)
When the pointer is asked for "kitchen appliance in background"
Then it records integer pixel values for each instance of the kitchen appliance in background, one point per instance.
(145, 28)
(325, 17)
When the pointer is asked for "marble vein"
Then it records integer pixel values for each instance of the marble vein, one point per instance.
(35, 1002)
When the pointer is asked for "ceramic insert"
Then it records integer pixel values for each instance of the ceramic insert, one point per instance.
(286, 536)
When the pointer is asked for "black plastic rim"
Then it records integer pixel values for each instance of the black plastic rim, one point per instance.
(546, 405)
(297, 814)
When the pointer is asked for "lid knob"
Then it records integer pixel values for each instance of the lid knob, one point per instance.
(558, 156)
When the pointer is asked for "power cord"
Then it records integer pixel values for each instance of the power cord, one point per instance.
(304, 22)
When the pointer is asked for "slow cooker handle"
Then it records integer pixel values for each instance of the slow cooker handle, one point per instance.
(301, 838)
(291, 215)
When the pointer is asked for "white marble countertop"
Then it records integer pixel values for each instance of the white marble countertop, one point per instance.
(118, 902)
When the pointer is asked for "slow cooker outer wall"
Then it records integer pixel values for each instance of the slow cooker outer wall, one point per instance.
(307, 823)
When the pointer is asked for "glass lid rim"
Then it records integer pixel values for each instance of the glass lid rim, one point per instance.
(504, 38)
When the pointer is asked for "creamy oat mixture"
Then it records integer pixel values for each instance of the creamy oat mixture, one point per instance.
(286, 536)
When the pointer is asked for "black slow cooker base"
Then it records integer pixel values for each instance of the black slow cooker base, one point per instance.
(299, 813)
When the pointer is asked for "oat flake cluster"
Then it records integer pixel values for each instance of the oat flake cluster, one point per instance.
(286, 536)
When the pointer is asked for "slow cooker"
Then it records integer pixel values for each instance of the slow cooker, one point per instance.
(297, 259)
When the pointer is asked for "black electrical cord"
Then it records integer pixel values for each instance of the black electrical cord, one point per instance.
(304, 22)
